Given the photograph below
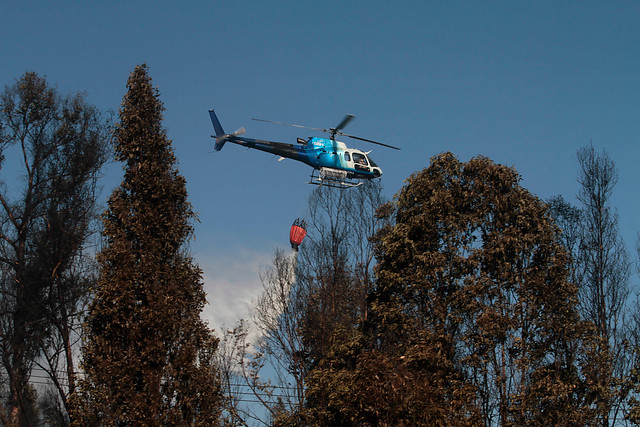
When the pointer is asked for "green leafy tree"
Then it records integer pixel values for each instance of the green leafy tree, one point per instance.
(472, 320)
(60, 144)
(148, 356)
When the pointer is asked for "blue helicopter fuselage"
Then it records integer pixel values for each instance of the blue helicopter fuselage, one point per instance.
(319, 153)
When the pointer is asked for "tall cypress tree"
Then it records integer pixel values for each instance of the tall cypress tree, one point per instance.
(148, 356)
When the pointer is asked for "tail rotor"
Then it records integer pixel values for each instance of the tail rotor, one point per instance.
(220, 136)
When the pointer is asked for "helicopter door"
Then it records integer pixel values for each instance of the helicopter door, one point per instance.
(360, 162)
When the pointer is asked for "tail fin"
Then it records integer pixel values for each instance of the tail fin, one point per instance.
(220, 135)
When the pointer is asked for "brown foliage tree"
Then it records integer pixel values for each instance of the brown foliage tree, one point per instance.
(631, 383)
(472, 319)
(148, 356)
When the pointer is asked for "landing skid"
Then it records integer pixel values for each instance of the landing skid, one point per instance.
(332, 180)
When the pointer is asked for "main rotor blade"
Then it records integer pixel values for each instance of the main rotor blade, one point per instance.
(332, 131)
(368, 140)
(289, 124)
(344, 122)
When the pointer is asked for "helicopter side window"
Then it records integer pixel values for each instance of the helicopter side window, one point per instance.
(359, 158)
(347, 157)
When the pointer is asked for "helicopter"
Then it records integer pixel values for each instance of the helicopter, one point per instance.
(334, 164)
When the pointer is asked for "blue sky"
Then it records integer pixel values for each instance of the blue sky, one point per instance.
(523, 83)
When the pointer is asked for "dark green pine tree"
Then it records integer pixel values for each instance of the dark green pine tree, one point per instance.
(148, 356)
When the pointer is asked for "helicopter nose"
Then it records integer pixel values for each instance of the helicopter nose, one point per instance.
(377, 172)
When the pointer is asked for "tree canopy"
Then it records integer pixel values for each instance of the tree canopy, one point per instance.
(148, 356)
(472, 319)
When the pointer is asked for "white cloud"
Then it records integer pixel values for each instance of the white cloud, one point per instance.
(232, 282)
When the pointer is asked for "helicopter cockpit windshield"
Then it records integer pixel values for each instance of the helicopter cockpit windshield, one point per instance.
(371, 162)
